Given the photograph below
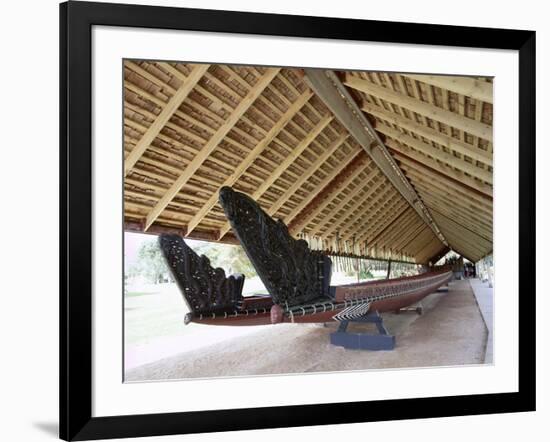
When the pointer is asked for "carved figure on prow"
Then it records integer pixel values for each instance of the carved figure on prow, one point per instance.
(292, 273)
(205, 289)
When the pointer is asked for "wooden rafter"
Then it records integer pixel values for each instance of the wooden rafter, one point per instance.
(391, 222)
(440, 253)
(250, 158)
(431, 251)
(390, 238)
(168, 110)
(417, 169)
(468, 86)
(484, 234)
(401, 151)
(435, 136)
(422, 243)
(453, 219)
(295, 153)
(394, 239)
(459, 241)
(336, 187)
(192, 167)
(320, 187)
(481, 228)
(399, 226)
(359, 187)
(419, 244)
(328, 86)
(373, 224)
(471, 217)
(434, 186)
(443, 171)
(473, 212)
(387, 205)
(355, 223)
(407, 239)
(334, 146)
(452, 119)
(436, 154)
(338, 223)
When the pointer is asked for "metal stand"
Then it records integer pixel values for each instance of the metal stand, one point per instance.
(364, 341)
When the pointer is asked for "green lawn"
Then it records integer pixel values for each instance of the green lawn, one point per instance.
(150, 315)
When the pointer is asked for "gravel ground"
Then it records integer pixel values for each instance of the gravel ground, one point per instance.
(450, 332)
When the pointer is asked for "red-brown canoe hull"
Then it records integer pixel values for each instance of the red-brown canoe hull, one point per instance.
(262, 317)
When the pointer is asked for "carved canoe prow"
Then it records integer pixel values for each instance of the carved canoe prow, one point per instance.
(297, 278)
(205, 289)
(292, 273)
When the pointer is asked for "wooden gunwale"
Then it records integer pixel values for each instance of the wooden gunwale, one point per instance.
(380, 303)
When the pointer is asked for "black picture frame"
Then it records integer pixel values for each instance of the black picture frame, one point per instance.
(76, 21)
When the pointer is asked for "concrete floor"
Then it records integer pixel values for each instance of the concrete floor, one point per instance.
(484, 297)
(451, 331)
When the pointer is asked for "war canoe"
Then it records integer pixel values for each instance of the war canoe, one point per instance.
(297, 278)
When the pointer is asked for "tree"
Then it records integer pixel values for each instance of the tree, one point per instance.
(150, 263)
(231, 258)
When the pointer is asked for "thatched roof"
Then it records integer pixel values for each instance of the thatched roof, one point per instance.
(190, 129)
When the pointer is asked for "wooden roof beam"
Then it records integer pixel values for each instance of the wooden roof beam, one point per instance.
(451, 202)
(395, 239)
(437, 154)
(440, 187)
(449, 118)
(250, 158)
(463, 234)
(417, 169)
(459, 242)
(408, 239)
(468, 86)
(355, 204)
(438, 255)
(423, 241)
(479, 228)
(338, 184)
(440, 138)
(401, 227)
(443, 169)
(431, 250)
(334, 146)
(168, 110)
(346, 230)
(295, 153)
(372, 226)
(453, 198)
(355, 155)
(390, 225)
(374, 222)
(327, 217)
(333, 93)
(477, 224)
(449, 217)
(212, 143)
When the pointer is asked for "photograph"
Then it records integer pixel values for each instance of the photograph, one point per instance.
(273, 221)
(291, 220)
(284, 220)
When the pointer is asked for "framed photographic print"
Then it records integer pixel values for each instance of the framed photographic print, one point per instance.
(273, 220)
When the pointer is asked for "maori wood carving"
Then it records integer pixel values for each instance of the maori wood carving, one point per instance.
(205, 288)
(292, 273)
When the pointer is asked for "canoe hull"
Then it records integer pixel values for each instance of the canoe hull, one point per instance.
(262, 316)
